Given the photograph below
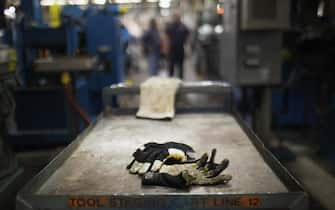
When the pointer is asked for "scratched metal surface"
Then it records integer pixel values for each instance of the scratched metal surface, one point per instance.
(98, 165)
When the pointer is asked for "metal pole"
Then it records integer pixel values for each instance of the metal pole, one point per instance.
(263, 115)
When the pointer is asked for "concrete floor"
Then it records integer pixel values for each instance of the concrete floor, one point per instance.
(32, 161)
(315, 173)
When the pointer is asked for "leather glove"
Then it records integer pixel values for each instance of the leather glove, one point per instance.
(200, 172)
(152, 156)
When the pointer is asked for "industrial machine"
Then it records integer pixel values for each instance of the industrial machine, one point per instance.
(251, 41)
(63, 68)
(279, 56)
(305, 101)
(10, 172)
(251, 46)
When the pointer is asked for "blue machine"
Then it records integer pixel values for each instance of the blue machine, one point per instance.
(32, 10)
(104, 39)
(103, 34)
(94, 32)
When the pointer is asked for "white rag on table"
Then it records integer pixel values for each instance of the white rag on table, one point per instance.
(157, 98)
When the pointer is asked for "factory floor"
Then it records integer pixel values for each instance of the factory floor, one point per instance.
(315, 172)
(32, 161)
(318, 181)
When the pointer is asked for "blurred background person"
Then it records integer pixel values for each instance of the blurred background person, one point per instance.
(152, 46)
(177, 34)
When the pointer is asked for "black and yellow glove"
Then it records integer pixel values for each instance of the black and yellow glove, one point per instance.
(200, 172)
(152, 156)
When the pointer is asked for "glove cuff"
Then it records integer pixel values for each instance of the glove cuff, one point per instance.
(164, 179)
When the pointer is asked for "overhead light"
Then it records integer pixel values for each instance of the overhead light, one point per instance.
(164, 4)
(127, 1)
(47, 2)
(52, 2)
(99, 1)
(218, 29)
(10, 12)
(205, 30)
(79, 2)
(82, 2)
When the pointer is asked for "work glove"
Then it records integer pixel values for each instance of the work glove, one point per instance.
(200, 172)
(152, 156)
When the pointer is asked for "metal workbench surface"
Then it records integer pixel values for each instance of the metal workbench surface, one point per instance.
(91, 172)
(98, 165)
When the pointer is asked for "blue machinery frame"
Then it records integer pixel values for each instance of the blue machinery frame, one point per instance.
(98, 32)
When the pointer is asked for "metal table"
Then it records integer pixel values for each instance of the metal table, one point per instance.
(91, 174)
(59, 64)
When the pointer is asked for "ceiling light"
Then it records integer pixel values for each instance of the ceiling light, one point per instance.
(52, 2)
(218, 29)
(99, 1)
(127, 1)
(79, 2)
(164, 4)
(10, 12)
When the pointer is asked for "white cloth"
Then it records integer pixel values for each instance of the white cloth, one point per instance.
(157, 98)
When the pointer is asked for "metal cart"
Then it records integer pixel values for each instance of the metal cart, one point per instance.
(91, 172)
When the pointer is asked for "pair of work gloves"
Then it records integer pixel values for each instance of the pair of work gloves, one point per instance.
(171, 165)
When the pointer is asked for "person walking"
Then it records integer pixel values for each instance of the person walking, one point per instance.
(152, 47)
(177, 34)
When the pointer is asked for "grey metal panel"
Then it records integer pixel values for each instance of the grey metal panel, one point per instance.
(269, 71)
(234, 42)
(279, 21)
(228, 42)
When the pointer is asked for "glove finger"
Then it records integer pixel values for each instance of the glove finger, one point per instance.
(218, 168)
(158, 160)
(144, 168)
(153, 157)
(156, 165)
(212, 158)
(139, 157)
(130, 164)
(211, 163)
(202, 161)
(135, 167)
(222, 179)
